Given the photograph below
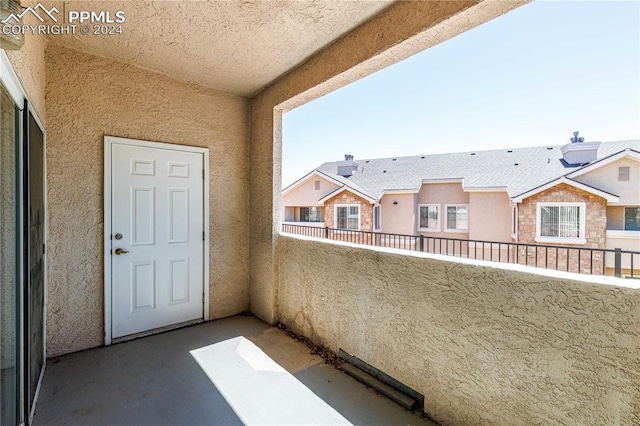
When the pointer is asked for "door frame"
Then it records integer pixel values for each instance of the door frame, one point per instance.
(109, 141)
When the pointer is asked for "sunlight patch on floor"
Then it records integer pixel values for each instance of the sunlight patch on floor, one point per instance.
(259, 390)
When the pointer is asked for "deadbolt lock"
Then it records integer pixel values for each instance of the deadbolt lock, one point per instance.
(118, 236)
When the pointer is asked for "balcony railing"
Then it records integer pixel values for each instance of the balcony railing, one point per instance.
(581, 260)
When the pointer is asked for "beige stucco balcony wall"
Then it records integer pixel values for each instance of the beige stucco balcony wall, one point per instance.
(484, 343)
(89, 97)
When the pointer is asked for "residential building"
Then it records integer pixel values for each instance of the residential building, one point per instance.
(583, 193)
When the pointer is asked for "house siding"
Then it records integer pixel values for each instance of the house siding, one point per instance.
(346, 197)
(398, 218)
(490, 216)
(306, 195)
(606, 178)
(443, 194)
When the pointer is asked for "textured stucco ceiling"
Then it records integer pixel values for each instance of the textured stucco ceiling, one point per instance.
(234, 46)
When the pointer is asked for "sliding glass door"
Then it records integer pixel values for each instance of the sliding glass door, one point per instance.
(10, 288)
(22, 257)
(34, 242)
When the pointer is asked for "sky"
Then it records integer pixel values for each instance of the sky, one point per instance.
(530, 77)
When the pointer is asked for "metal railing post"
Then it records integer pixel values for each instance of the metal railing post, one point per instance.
(326, 232)
(421, 242)
(618, 263)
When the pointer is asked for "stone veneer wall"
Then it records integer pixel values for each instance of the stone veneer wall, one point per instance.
(485, 343)
(346, 197)
(595, 230)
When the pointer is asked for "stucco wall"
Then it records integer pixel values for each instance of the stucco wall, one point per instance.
(306, 194)
(89, 97)
(484, 344)
(28, 63)
(606, 178)
(615, 217)
(398, 218)
(490, 216)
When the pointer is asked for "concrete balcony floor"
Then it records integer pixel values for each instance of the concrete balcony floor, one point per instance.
(156, 381)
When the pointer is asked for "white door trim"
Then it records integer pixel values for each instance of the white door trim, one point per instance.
(109, 141)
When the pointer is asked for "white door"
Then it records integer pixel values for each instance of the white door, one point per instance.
(157, 249)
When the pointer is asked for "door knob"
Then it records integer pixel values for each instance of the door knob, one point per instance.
(120, 251)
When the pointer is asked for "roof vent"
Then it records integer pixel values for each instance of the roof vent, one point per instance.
(579, 152)
(509, 150)
(347, 167)
(473, 153)
(422, 157)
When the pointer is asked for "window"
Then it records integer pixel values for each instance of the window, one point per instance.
(623, 173)
(348, 217)
(632, 218)
(310, 214)
(514, 220)
(561, 222)
(289, 214)
(457, 217)
(377, 224)
(429, 215)
(317, 183)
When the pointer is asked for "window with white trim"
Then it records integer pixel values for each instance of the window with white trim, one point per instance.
(457, 217)
(514, 220)
(348, 217)
(429, 217)
(377, 222)
(561, 222)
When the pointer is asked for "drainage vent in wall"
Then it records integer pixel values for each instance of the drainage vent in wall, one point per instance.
(381, 382)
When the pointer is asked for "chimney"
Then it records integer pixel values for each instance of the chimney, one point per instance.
(347, 167)
(579, 152)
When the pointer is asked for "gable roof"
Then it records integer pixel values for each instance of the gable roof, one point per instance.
(346, 188)
(611, 198)
(626, 153)
(518, 170)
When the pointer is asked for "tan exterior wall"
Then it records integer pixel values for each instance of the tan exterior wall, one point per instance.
(441, 194)
(29, 65)
(398, 218)
(370, 47)
(627, 240)
(490, 216)
(606, 178)
(615, 218)
(346, 197)
(306, 194)
(484, 344)
(89, 97)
